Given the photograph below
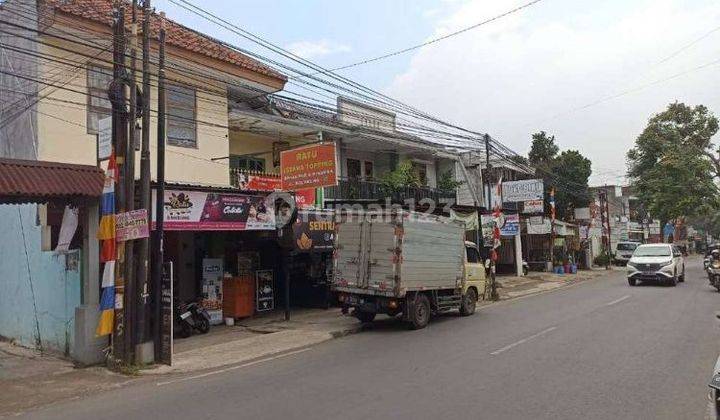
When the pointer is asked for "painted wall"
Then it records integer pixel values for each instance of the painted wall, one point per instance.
(38, 293)
(62, 118)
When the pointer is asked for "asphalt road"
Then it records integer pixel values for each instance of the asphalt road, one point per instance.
(597, 350)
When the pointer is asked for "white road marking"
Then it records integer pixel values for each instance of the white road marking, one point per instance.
(255, 362)
(617, 300)
(524, 340)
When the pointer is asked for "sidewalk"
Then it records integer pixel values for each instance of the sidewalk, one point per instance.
(29, 379)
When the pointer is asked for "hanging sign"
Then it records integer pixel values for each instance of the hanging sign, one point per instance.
(265, 290)
(248, 181)
(487, 224)
(525, 190)
(197, 210)
(104, 138)
(533, 206)
(131, 225)
(314, 231)
(308, 167)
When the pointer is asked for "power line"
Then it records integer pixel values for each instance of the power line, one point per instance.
(434, 40)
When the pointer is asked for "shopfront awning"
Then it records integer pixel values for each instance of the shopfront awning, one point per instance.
(32, 181)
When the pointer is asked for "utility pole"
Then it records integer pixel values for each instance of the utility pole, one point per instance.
(605, 219)
(139, 314)
(552, 227)
(493, 254)
(609, 233)
(144, 245)
(122, 332)
(158, 254)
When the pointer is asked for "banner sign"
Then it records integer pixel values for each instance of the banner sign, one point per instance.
(131, 225)
(247, 181)
(104, 138)
(487, 224)
(314, 231)
(511, 226)
(308, 167)
(305, 198)
(197, 210)
(265, 291)
(533, 206)
(526, 190)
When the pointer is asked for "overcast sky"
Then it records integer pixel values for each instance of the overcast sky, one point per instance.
(549, 67)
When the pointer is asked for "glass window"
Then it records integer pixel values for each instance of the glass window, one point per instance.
(181, 124)
(626, 246)
(247, 163)
(472, 254)
(98, 104)
(652, 251)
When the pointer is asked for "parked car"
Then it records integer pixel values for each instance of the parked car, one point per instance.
(399, 262)
(624, 251)
(656, 262)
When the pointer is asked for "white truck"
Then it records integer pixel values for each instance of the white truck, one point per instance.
(399, 262)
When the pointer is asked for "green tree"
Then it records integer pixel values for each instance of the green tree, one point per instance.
(567, 172)
(571, 172)
(543, 150)
(674, 163)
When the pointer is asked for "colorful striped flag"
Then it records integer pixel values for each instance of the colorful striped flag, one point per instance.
(552, 204)
(106, 233)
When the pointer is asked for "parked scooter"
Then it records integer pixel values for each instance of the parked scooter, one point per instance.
(714, 270)
(189, 317)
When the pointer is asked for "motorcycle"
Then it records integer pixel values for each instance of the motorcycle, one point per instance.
(714, 274)
(191, 316)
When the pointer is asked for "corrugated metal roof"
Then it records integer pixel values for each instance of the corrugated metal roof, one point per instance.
(25, 181)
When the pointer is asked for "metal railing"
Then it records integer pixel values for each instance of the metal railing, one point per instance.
(363, 190)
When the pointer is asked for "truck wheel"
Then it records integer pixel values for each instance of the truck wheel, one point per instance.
(365, 316)
(419, 313)
(469, 302)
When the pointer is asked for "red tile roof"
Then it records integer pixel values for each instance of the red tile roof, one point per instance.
(25, 181)
(176, 34)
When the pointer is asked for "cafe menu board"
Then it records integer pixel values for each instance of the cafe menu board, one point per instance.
(197, 210)
(265, 290)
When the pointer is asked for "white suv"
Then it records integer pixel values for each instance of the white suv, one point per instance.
(663, 262)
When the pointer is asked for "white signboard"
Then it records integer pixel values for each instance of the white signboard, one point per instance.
(582, 213)
(529, 189)
(533, 206)
(104, 138)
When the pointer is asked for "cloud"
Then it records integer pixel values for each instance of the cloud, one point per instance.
(537, 69)
(315, 49)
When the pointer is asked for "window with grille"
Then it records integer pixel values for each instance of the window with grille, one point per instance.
(181, 123)
(247, 163)
(98, 104)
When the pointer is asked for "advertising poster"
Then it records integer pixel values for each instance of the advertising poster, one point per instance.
(487, 224)
(212, 278)
(131, 225)
(265, 287)
(314, 232)
(511, 227)
(305, 198)
(308, 167)
(196, 210)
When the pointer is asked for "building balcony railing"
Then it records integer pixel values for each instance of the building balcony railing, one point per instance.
(372, 191)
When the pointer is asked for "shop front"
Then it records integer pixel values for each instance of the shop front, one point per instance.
(223, 249)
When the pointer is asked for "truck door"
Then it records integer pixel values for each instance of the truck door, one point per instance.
(474, 268)
(379, 263)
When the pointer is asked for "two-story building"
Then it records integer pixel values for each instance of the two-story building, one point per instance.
(56, 69)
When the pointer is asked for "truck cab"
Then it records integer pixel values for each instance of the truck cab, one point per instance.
(475, 277)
